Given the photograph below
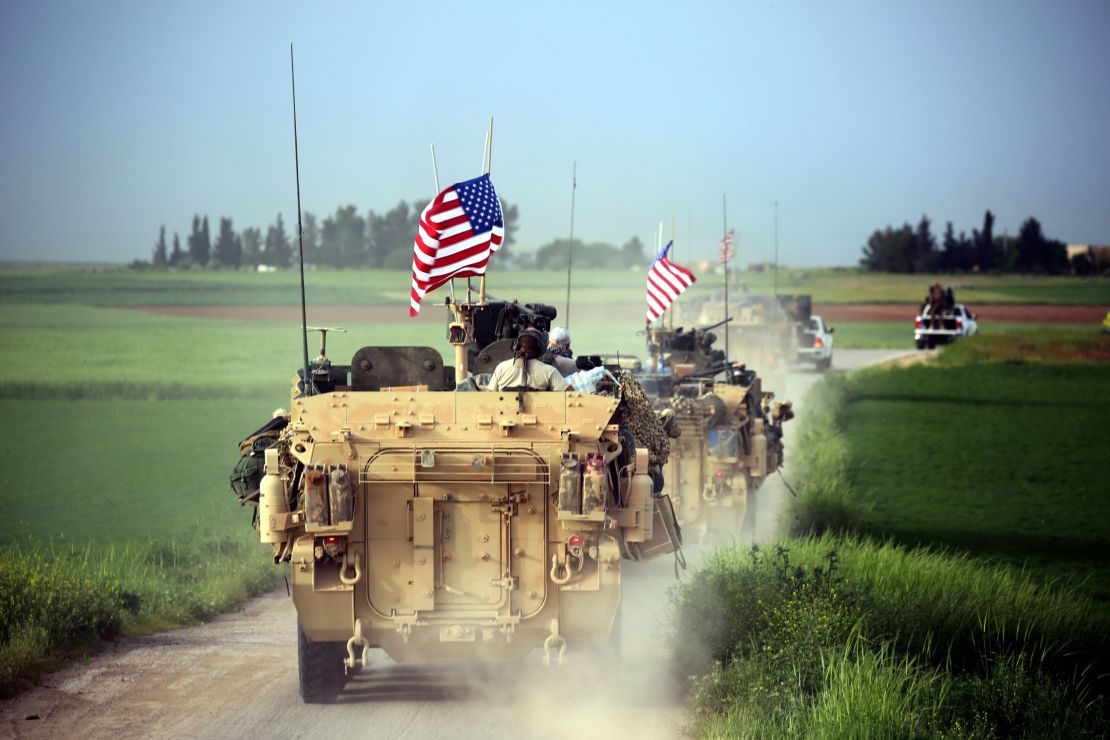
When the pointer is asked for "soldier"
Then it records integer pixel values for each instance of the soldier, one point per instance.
(525, 370)
(558, 347)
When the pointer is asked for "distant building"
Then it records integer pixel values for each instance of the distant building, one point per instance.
(1086, 259)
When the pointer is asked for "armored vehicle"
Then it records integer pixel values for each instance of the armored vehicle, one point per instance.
(730, 441)
(437, 521)
(764, 332)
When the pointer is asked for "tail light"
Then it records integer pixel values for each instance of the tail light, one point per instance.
(959, 324)
(575, 541)
(332, 545)
(917, 323)
(818, 342)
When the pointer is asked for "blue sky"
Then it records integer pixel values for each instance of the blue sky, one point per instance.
(121, 116)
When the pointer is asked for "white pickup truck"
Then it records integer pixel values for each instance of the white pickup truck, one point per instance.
(930, 329)
(815, 343)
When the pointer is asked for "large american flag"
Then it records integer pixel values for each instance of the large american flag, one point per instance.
(665, 282)
(459, 230)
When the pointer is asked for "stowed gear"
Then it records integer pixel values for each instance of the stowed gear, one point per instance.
(641, 419)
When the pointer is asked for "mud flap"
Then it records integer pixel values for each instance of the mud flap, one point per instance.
(666, 536)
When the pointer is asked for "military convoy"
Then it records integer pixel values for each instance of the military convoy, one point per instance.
(438, 521)
(726, 429)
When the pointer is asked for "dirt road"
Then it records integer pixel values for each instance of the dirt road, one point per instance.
(237, 676)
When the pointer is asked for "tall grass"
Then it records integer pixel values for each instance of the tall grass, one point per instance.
(834, 637)
(60, 600)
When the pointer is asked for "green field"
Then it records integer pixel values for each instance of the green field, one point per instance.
(1007, 461)
(384, 287)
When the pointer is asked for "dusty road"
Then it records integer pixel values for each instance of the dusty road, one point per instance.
(236, 676)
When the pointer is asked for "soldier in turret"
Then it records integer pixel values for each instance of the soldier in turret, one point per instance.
(525, 369)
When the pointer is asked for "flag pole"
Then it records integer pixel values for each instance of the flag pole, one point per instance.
(435, 174)
(570, 250)
(489, 170)
(724, 238)
(776, 250)
(658, 249)
(671, 311)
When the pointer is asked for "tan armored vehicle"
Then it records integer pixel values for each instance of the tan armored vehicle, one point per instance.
(730, 441)
(763, 333)
(437, 521)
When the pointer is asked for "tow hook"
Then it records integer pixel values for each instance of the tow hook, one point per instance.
(554, 642)
(351, 662)
(351, 580)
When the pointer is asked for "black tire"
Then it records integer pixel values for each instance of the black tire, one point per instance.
(931, 343)
(824, 364)
(921, 343)
(320, 668)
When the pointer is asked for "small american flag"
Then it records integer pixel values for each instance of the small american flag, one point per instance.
(459, 230)
(665, 282)
(726, 247)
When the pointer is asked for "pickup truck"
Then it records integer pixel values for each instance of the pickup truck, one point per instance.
(815, 343)
(930, 329)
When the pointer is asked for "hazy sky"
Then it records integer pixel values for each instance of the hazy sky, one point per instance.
(121, 116)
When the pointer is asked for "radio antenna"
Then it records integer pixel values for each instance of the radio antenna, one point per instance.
(570, 249)
(309, 386)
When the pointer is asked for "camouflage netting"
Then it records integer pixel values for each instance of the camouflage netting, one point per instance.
(642, 421)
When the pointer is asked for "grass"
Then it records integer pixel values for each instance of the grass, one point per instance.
(843, 637)
(60, 599)
(889, 335)
(121, 287)
(1006, 461)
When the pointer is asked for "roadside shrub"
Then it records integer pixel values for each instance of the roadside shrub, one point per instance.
(825, 501)
(56, 602)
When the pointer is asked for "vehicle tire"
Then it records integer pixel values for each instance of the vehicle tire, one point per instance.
(931, 343)
(921, 343)
(824, 364)
(320, 668)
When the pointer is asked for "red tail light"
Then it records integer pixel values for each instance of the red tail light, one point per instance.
(818, 342)
(917, 323)
(959, 324)
(575, 541)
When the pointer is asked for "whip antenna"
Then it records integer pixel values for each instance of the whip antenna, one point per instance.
(309, 386)
(570, 251)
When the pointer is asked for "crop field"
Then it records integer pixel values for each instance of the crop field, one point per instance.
(385, 287)
(948, 577)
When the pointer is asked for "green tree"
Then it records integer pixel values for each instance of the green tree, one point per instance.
(177, 256)
(278, 252)
(228, 248)
(1034, 253)
(391, 235)
(890, 250)
(924, 247)
(343, 238)
(632, 252)
(205, 252)
(986, 256)
(160, 256)
(311, 237)
(251, 251)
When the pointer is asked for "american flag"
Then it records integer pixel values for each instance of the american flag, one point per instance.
(459, 230)
(665, 282)
(726, 247)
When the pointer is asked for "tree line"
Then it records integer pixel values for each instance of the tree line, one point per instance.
(910, 249)
(349, 239)
(344, 239)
